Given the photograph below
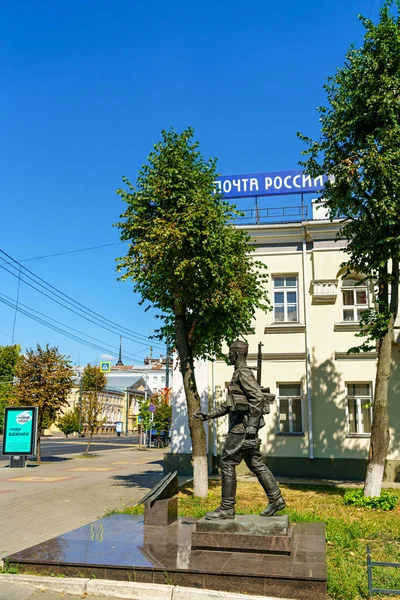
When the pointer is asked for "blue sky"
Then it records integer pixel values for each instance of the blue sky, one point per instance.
(87, 87)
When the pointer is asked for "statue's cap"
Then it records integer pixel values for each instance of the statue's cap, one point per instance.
(239, 345)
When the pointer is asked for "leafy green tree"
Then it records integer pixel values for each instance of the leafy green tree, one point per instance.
(44, 379)
(359, 147)
(163, 412)
(69, 422)
(188, 261)
(93, 381)
(9, 356)
(145, 416)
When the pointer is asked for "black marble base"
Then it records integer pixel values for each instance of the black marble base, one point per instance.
(122, 547)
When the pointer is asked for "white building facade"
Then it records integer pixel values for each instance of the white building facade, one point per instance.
(320, 423)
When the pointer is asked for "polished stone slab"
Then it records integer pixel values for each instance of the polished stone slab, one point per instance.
(247, 524)
(122, 547)
(244, 533)
(206, 540)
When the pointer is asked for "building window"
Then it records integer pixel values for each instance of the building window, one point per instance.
(359, 408)
(285, 298)
(163, 379)
(290, 408)
(355, 299)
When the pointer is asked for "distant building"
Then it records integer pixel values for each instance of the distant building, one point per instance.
(120, 399)
(154, 371)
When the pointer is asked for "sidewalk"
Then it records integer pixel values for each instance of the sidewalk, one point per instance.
(94, 589)
(16, 591)
(394, 485)
(41, 502)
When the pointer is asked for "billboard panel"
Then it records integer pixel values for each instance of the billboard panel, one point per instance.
(19, 436)
(269, 184)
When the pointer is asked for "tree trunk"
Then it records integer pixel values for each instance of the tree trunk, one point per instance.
(380, 437)
(39, 429)
(89, 442)
(196, 427)
(379, 442)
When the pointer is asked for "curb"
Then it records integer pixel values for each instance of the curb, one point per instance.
(123, 589)
(71, 585)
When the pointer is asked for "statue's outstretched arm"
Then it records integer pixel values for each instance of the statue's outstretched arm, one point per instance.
(219, 412)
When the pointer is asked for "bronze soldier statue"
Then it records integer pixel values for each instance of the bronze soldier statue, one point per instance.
(246, 404)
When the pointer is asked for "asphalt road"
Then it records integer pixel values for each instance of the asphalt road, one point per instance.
(58, 446)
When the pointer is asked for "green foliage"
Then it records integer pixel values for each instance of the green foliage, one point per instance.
(386, 501)
(11, 570)
(145, 414)
(93, 379)
(69, 422)
(9, 356)
(49, 417)
(185, 255)
(160, 419)
(163, 413)
(359, 148)
(44, 380)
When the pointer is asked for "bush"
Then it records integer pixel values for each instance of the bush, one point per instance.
(69, 422)
(386, 501)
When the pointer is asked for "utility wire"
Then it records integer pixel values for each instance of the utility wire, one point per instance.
(62, 295)
(9, 337)
(72, 336)
(28, 308)
(70, 252)
(127, 333)
(16, 305)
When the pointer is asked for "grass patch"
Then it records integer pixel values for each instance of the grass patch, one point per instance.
(348, 530)
(87, 456)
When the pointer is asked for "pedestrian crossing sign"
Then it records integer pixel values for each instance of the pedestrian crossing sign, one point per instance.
(105, 367)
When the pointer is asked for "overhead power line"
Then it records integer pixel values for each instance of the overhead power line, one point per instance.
(71, 251)
(29, 312)
(9, 336)
(73, 305)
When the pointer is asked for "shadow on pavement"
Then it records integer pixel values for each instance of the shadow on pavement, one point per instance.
(144, 479)
(55, 458)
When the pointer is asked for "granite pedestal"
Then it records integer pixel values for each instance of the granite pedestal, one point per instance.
(122, 547)
(161, 513)
(245, 533)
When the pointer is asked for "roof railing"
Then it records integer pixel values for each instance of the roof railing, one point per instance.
(259, 215)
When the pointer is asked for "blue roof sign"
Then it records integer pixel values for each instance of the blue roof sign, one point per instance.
(269, 184)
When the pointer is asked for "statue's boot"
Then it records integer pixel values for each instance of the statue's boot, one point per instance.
(271, 488)
(227, 508)
(273, 507)
(223, 512)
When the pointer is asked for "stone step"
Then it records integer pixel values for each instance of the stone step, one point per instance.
(247, 524)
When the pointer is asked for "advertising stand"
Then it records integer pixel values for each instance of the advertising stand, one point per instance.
(20, 434)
